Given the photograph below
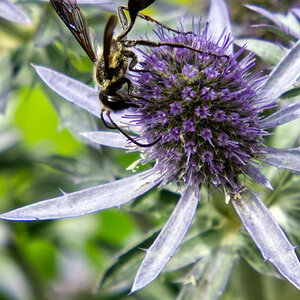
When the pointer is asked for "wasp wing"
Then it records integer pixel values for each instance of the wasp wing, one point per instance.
(107, 39)
(75, 20)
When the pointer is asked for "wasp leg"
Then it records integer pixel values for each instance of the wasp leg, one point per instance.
(128, 136)
(134, 61)
(124, 22)
(133, 43)
(104, 122)
(130, 87)
(123, 19)
(134, 6)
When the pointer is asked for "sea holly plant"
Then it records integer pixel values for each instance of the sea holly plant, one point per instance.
(212, 117)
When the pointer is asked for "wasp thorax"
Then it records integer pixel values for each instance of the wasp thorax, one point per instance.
(105, 76)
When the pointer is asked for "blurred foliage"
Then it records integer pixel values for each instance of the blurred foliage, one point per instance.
(41, 152)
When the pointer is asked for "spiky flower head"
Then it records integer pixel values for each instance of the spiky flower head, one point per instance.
(200, 103)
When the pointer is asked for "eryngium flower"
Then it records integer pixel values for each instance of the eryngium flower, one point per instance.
(208, 112)
(202, 106)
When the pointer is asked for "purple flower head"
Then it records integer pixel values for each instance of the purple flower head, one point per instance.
(226, 103)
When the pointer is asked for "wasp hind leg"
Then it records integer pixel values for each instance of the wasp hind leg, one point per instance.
(104, 122)
(131, 139)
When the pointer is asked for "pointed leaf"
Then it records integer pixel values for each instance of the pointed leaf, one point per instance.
(267, 51)
(253, 257)
(281, 78)
(76, 92)
(108, 138)
(122, 276)
(14, 13)
(257, 176)
(119, 275)
(72, 90)
(219, 20)
(192, 250)
(210, 276)
(267, 235)
(113, 194)
(168, 240)
(276, 31)
(285, 115)
(269, 15)
(282, 158)
(286, 23)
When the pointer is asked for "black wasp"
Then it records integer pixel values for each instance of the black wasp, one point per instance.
(110, 69)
